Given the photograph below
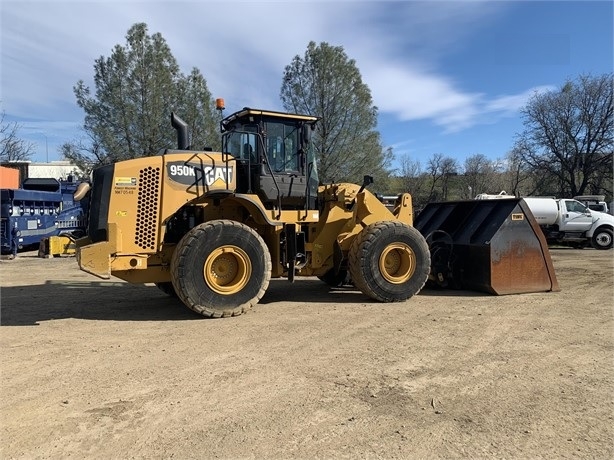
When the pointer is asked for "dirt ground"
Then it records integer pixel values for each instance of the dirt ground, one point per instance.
(104, 369)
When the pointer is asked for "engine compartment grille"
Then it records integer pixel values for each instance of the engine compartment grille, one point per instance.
(147, 208)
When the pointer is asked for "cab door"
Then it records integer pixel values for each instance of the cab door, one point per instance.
(575, 217)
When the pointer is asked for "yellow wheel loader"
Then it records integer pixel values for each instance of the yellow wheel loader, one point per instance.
(213, 228)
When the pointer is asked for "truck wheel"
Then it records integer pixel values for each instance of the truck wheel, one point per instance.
(602, 238)
(221, 268)
(389, 261)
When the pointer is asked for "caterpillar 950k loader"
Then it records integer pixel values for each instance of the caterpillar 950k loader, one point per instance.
(215, 227)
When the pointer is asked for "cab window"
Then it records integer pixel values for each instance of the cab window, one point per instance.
(575, 206)
(241, 145)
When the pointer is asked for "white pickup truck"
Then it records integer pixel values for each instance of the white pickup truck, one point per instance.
(568, 221)
(594, 202)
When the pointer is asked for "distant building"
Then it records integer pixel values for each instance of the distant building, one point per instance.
(55, 169)
(61, 170)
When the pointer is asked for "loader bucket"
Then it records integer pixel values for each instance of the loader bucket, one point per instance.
(495, 246)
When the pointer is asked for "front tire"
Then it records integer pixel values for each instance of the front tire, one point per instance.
(221, 268)
(389, 261)
(602, 238)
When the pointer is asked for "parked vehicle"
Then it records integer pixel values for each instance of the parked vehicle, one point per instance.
(568, 221)
(593, 202)
(42, 208)
(213, 228)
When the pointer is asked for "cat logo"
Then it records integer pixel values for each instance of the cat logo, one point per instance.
(198, 174)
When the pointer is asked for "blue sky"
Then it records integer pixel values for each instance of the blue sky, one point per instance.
(447, 76)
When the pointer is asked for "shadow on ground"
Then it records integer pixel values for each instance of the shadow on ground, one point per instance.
(98, 300)
(118, 301)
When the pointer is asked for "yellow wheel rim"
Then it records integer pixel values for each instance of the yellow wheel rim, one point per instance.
(227, 270)
(397, 263)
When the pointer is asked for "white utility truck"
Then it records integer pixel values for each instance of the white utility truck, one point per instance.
(567, 221)
(594, 202)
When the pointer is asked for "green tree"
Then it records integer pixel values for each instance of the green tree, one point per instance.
(12, 147)
(326, 83)
(568, 138)
(137, 87)
(197, 108)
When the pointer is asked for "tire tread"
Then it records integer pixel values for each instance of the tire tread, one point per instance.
(187, 244)
(360, 251)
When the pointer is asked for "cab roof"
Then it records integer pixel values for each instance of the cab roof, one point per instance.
(247, 111)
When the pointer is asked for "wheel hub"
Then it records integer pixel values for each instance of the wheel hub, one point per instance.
(227, 270)
(604, 239)
(397, 263)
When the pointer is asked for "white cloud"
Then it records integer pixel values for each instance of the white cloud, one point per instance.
(513, 103)
(241, 48)
(420, 95)
(414, 95)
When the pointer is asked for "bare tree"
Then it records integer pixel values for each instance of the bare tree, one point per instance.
(85, 152)
(433, 169)
(440, 169)
(517, 178)
(12, 148)
(569, 137)
(412, 176)
(481, 175)
(413, 179)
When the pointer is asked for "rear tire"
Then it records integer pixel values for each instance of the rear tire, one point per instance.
(221, 268)
(389, 261)
(602, 238)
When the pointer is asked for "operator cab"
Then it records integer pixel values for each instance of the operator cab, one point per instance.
(275, 158)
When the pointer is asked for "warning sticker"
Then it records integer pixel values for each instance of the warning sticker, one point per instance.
(125, 181)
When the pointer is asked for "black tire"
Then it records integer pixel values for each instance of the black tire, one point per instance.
(221, 268)
(335, 279)
(389, 261)
(167, 288)
(602, 239)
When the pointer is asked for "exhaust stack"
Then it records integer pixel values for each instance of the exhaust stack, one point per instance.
(181, 126)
